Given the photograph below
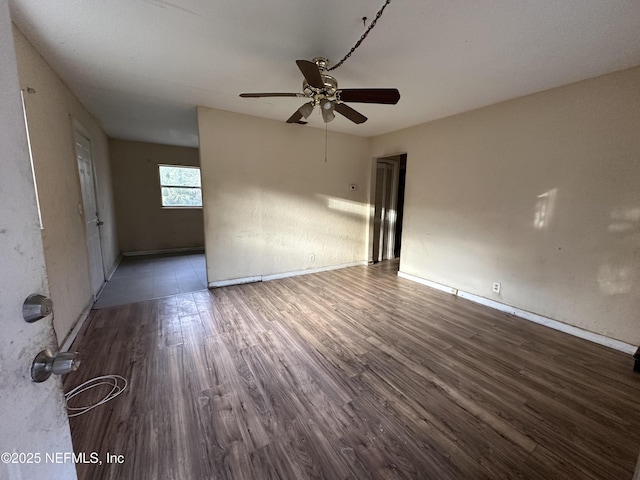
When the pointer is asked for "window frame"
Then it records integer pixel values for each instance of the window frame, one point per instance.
(161, 185)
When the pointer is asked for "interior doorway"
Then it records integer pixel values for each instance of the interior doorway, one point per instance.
(388, 195)
(89, 208)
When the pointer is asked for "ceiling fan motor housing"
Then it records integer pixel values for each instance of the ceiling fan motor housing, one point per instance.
(330, 84)
(329, 89)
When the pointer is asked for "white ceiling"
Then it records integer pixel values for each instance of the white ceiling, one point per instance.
(141, 66)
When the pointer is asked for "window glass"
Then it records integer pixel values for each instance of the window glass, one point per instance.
(180, 186)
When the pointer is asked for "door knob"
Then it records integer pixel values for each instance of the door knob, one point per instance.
(46, 363)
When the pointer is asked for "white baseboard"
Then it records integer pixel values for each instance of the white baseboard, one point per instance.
(234, 281)
(166, 250)
(429, 283)
(276, 276)
(113, 270)
(530, 316)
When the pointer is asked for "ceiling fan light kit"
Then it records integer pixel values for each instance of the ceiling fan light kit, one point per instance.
(306, 109)
(322, 89)
(327, 110)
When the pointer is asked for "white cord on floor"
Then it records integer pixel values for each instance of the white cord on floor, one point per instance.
(117, 383)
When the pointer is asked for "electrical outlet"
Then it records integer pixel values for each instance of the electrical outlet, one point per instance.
(312, 257)
(496, 287)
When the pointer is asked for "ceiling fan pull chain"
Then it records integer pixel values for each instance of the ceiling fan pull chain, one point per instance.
(364, 35)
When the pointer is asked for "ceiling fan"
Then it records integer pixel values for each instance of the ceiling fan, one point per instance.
(322, 90)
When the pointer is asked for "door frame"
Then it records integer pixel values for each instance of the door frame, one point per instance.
(386, 230)
(395, 160)
(76, 126)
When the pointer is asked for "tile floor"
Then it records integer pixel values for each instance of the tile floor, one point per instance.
(154, 276)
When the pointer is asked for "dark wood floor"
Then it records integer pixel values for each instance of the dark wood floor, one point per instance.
(350, 374)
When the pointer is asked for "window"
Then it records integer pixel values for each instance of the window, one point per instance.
(181, 187)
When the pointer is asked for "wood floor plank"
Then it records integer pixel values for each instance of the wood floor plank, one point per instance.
(351, 374)
(193, 331)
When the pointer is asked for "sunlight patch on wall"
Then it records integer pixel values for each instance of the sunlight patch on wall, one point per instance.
(624, 219)
(544, 209)
(346, 206)
(616, 275)
(619, 270)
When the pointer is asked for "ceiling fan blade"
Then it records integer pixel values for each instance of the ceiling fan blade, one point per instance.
(260, 95)
(388, 96)
(350, 113)
(295, 118)
(311, 73)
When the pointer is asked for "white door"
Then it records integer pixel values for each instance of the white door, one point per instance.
(32, 417)
(90, 209)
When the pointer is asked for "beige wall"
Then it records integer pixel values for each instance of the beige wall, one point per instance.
(143, 225)
(478, 185)
(49, 112)
(271, 201)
